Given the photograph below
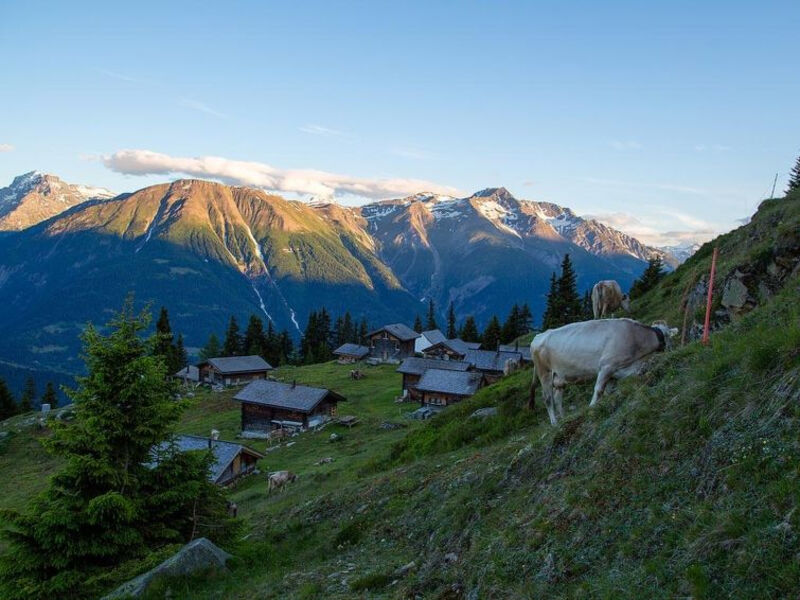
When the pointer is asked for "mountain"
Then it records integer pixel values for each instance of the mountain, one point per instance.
(34, 197)
(207, 251)
(681, 252)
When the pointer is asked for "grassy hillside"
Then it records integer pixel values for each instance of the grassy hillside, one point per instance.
(684, 482)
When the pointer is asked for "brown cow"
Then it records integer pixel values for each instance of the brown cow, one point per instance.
(607, 297)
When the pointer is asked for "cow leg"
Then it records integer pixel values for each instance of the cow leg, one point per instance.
(547, 392)
(603, 378)
(558, 395)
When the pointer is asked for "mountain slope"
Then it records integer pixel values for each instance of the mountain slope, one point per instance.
(35, 197)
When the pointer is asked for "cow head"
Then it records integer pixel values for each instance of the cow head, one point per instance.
(626, 303)
(666, 332)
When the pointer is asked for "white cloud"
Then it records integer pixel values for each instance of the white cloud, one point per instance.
(625, 145)
(201, 107)
(319, 184)
(321, 130)
(650, 231)
(6, 147)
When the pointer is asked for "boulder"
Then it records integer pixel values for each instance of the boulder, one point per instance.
(197, 555)
(482, 413)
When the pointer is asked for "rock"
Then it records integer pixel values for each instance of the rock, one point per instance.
(405, 569)
(451, 557)
(197, 555)
(389, 426)
(482, 413)
(335, 437)
(735, 294)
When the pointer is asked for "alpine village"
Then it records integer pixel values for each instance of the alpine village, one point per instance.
(321, 376)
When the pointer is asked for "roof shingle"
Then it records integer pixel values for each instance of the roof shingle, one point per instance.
(224, 452)
(301, 398)
(489, 360)
(352, 350)
(239, 364)
(398, 330)
(417, 366)
(458, 383)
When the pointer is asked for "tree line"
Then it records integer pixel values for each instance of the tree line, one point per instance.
(10, 406)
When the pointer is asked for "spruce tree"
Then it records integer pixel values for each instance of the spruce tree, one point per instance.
(452, 331)
(431, 324)
(587, 313)
(8, 406)
(417, 324)
(363, 330)
(651, 276)
(552, 311)
(794, 177)
(469, 332)
(348, 329)
(525, 319)
(568, 295)
(28, 396)
(50, 397)
(212, 349)
(491, 335)
(232, 346)
(107, 505)
(181, 356)
(511, 327)
(255, 342)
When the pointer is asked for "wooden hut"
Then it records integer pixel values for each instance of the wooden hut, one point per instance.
(440, 387)
(231, 460)
(350, 353)
(268, 405)
(491, 363)
(233, 370)
(392, 343)
(413, 368)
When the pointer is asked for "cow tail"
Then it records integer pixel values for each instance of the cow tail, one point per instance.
(532, 397)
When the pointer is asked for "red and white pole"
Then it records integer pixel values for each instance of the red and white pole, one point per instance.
(707, 325)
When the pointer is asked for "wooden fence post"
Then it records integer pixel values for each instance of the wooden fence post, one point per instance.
(707, 325)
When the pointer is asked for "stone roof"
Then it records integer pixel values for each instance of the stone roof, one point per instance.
(398, 330)
(434, 336)
(469, 345)
(457, 383)
(239, 364)
(417, 366)
(352, 350)
(224, 452)
(189, 372)
(523, 349)
(300, 398)
(490, 360)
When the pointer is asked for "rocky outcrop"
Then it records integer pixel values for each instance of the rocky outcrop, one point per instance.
(197, 555)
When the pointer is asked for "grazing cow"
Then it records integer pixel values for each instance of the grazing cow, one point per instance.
(605, 350)
(279, 479)
(511, 366)
(607, 297)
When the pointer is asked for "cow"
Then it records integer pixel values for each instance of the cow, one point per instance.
(607, 297)
(279, 479)
(601, 350)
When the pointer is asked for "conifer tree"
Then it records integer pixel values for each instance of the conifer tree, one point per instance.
(794, 177)
(417, 324)
(525, 319)
(511, 327)
(232, 346)
(28, 396)
(212, 349)
(586, 306)
(255, 342)
(469, 332)
(491, 335)
(181, 356)
(8, 407)
(431, 323)
(50, 397)
(452, 331)
(651, 276)
(363, 330)
(552, 311)
(107, 505)
(348, 329)
(568, 295)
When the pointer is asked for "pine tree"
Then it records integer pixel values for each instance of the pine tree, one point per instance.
(164, 344)
(491, 335)
(212, 349)
(50, 397)
(348, 329)
(255, 342)
(525, 319)
(363, 331)
(451, 322)
(181, 356)
(568, 295)
(431, 324)
(28, 396)
(8, 407)
(651, 276)
(586, 306)
(511, 327)
(794, 177)
(417, 324)
(106, 505)
(552, 311)
(232, 346)
(469, 332)
(338, 332)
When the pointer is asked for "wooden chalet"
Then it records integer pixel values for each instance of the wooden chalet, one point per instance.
(233, 370)
(413, 368)
(453, 349)
(427, 339)
(440, 387)
(523, 349)
(231, 460)
(392, 343)
(491, 363)
(350, 353)
(268, 405)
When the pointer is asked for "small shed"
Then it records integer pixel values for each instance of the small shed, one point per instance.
(439, 387)
(233, 370)
(392, 343)
(413, 368)
(350, 353)
(231, 460)
(268, 405)
(491, 363)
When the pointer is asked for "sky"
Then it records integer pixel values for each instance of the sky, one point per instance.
(668, 120)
